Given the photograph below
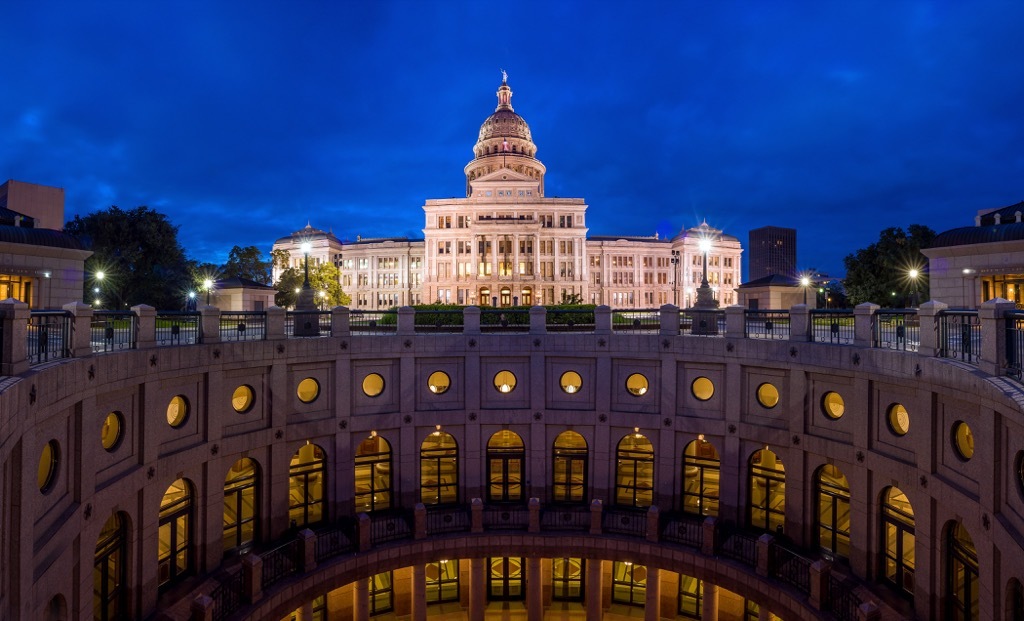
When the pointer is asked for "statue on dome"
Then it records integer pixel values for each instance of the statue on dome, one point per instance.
(504, 77)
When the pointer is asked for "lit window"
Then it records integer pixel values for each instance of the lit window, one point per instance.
(963, 440)
(505, 381)
(243, 399)
(571, 382)
(177, 411)
(240, 506)
(308, 390)
(702, 388)
(49, 458)
(898, 419)
(637, 385)
(112, 431)
(373, 475)
(438, 382)
(373, 385)
(767, 491)
(306, 485)
(767, 395)
(174, 552)
(832, 405)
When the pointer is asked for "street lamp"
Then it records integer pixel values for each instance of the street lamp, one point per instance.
(705, 296)
(913, 274)
(675, 277)
(805, 282)
(323, 298)
(208, 284)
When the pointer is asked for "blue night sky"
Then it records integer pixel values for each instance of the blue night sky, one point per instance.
(243, 120)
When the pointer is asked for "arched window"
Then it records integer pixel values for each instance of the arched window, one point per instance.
(634, 471)
(701, 473)
(833, 512)
(569, 466)
(506, 460)
(527, 296)
(898, 540)
(506, 296)
(439, 469)
(241, 507)
(174, 552)
(767, 491)
(110, 571)
(961, 575)
(1014, 601)
(373, 475)
(306, 484)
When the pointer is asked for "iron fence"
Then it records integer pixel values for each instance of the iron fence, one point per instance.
(49, 336)
(766, 324)
(243, 326)
(897, 329)
(373, 322)
(683, 529)
(447, 520)
(789, 567)
(178, 328)
(333, 541)
(113, 331)
(636, 321)
(832, 326)
(566, 518)
(624, 521)
(279, 562)
(504, 320)
(227, 596)
(740, 547)
(499, 517)
(570, 320)
(960, 335)
(1015, 343)
(439, 320)
(389, 526)
(841, 599)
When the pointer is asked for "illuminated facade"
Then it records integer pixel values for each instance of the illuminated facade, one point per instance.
(507, 244)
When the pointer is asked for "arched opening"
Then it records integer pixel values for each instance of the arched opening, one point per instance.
(569, 468)
(439, 469)
(506, 296)
(241, 506)
(373, 475)
(767, 492)
(506, 460)
(833, 495)
(174, 550)
(961, 575)
(898, 541)
(484, 298)
(527, 296)
(110, 572)
(1014, 601)
(701, 475)
(634, 471)
(307, 485)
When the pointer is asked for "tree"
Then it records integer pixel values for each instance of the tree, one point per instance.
(139, 255)
(247, 263)
(322, 278)
(881, 273)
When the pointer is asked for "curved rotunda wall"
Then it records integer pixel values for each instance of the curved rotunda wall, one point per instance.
(48, 538)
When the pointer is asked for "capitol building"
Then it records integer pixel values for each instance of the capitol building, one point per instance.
(508, 244)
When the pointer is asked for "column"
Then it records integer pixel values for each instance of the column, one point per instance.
(305, 611)
(709, 602)
(594, 590)
(762, 613)
(419, 593)
(361, 600)
(534, 600)
(652, 608)
(477, 588)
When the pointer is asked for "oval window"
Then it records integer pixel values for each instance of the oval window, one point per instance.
(768, 395)
(637, 385)
(702, 388)
(48, 460)
(373, 385)
(898, 419)
(963, 440)
(243, 398)
(110, 432)
(177, 411)
(438, 382)
(832, 405)
(505, 381)
(571, 382)
(308, 390)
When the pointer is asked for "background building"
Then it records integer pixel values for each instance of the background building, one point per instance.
(772, 252)
(508, 244)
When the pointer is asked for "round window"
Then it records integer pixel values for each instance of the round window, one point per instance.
(637, 385)
(505, 381)
(110, 433)
(48, 460)
(898, 419)
(832, 405)
(570, 382)
(243, 398)
(438, 382)
(177, 411)
(768, 395)
(373, 385)
(308, 390)
(963, 440)
(702, 388)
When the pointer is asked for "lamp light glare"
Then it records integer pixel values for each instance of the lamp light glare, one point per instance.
(305, 247)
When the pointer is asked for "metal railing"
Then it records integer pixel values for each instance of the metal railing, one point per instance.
(568, 320)
(49, 336)
(702, 322)
(439, 321)
(373, 322)
(833, 326)
(897, 329)
(178, 328)
(625, 521)
(333, 541)
(841, 599)
(636, 321)
(442, 519)
(512, 517)
(320, 319)
(740, 547)
(282, 561)
(766, 324)
(389, 526)
(113, 331)
(960, 335)
(687, 530)
(504, 320)
(1015, 343)
(243, 326)
(227, 596)
(789, 567)
(566, 518)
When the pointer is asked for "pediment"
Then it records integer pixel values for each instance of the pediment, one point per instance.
(504, 175)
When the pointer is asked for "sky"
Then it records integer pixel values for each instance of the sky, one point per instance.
(243, 121)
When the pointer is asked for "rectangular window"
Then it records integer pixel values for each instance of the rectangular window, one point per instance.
(381, 593)
(442, 581)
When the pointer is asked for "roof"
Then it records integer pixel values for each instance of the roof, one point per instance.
(237, 282)
(1006, 214)
(774, 280)
(632, 238)
(986, 234)
(307, 233)
(39, 237)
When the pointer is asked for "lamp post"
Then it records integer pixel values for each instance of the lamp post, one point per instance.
(705, 296)
(323, 298)
(207, 284)
(675, 277)
(805, 282)
(306, 303)
(99, 286)
(913, 274)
